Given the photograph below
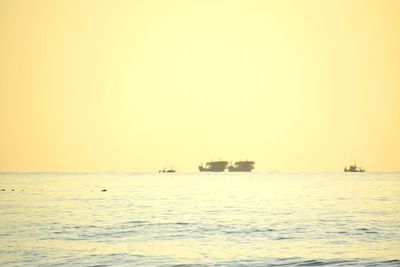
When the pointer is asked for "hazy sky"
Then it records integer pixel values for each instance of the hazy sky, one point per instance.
(138, 85)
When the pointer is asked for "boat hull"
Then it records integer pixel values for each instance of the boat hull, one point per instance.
(214, 169)
(242, 166)
(235, 169)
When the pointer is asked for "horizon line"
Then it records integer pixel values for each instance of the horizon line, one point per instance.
(184, 172)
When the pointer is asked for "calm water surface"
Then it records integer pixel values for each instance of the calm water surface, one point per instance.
(249, 219)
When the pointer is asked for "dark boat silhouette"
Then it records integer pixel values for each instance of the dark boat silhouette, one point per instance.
(353, 168)
(242, 166)
(165, 170)
(214, 166)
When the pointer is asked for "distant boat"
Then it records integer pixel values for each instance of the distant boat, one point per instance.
(354, 168)
(242, 166)
(214, 166)
(170, 170)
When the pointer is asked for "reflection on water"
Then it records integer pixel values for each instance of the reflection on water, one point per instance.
(258, 219)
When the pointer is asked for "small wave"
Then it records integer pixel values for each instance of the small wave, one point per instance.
(136, 222)
(292, 262)
(312, 263)
(187, 265)
(395, 262)
(283, 238)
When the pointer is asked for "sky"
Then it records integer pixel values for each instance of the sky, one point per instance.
(121, 85)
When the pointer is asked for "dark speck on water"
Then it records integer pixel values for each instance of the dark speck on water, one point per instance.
(104, 190)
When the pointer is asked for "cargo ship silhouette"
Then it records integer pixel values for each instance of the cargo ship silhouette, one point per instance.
(214, 166)
(242, 166)
(221, 165)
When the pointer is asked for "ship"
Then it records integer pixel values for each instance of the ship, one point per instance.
(214, 166)
(170, 170)
(242, 166)
(354, 168)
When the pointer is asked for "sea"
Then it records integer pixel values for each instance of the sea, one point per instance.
(200, 219)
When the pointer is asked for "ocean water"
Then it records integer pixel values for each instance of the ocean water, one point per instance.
(216, 219)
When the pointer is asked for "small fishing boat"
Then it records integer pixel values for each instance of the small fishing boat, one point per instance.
(165, 170)
(353, 168)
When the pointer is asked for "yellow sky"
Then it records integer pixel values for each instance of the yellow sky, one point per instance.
(138, 85)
